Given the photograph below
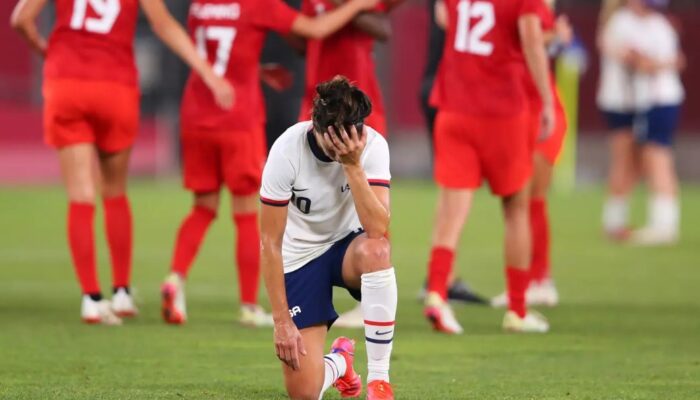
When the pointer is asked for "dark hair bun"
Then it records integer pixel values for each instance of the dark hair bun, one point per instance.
(340, 104)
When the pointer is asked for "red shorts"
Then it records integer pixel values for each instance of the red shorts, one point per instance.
(468, 149)
(99, 112)
(213, 159)
(550, 148)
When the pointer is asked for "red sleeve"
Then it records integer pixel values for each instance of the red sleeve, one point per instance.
(546, 16)
(530, 7)
(275, 15)
(307, 8)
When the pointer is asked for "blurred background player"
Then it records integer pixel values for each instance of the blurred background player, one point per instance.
(91, 112)
(335, 172)
(541, 291)
(640, 94)
(223, 147)
(480, 133)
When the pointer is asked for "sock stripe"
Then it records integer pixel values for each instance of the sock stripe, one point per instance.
(334, 368)
(378, 341)
(379, 323)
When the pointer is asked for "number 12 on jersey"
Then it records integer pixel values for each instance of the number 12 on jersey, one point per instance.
(470, 39)
(224, 36)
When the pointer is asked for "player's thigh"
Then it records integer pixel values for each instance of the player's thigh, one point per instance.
(456, 160)
(306, 382)
(506, 153)
(66, 113)
(116, 116)
(243, 159)
(201, 168)
(78, 171)
(364, 255)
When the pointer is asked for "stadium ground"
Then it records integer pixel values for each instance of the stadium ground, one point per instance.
(627, 328)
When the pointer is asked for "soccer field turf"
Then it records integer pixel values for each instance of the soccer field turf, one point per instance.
(628, 326)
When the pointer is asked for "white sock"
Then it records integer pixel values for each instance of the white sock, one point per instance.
(615, 212)
(335, 368)
(664, 213)
(379, 297)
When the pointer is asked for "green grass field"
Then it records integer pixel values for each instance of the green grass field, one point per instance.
(628, 326)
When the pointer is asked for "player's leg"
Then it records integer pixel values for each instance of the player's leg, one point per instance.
(458, 173)
(318, 372)
(242, 155)
(622, 176)
(663, 221)
(201, 177)
(367, 266)
(118, 225)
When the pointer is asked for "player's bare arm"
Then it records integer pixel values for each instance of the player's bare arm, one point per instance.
(325, 25)
(23, 20)
(532, 40)
(441, 18)
(371, 203)
(174, 36)
(375, 24)
(289, 345)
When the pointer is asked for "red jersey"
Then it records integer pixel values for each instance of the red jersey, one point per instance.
(348, 52)
(230, 36)
(93, 41)
(481, 70)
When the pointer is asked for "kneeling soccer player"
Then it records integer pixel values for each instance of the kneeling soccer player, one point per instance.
(335, 172)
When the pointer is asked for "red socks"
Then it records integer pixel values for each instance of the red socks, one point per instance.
(539, 226)
(189, 237)
(119, 237)
(439, 268)
(248, 256)
(81, 219)
(517, 281)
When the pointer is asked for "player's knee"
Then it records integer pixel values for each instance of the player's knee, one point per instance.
(82, 194)
(374, 255)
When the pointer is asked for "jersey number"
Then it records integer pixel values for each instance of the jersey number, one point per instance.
(224, 36)
(107, 12)
(469, 39)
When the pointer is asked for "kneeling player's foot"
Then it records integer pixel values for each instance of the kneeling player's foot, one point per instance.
(173, 306)
(255, 316)
(380, 390)
(542, 293)
(123, 304)
(533, 322)
(98, 312)
(440, 315)
(649, 236)
(350, 384)
(351, 319)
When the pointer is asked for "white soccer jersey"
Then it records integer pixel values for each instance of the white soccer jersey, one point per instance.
(298, 175)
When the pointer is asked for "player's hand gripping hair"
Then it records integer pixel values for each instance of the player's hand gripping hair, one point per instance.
(532, 39)
(289, 345)
(174, 36)
(165, 27)
(371, 203)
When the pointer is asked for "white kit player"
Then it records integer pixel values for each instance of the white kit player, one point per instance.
(325, 214)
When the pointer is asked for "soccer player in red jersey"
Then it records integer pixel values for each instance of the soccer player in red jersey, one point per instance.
(541, 291)
(482, 132)
(349, 53)
(91, 111)
(227, 147)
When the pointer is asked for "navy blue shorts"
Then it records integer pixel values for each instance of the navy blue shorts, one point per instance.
(619, 120)
(310, 288)
(661, 124)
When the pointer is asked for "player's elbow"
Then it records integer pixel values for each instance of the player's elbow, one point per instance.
(383, 32)
(19, 22)
(378, 229)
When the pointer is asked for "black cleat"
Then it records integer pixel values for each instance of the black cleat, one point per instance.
(459, 292)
